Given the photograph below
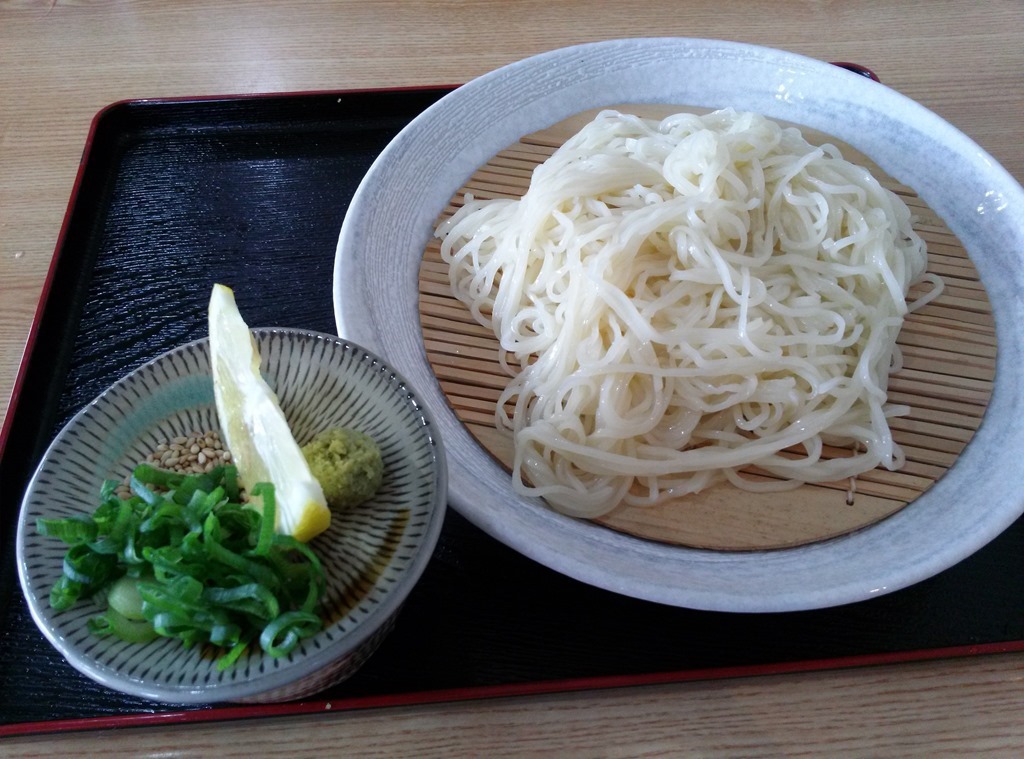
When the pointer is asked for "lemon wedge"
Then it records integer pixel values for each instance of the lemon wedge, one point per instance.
(254, 427)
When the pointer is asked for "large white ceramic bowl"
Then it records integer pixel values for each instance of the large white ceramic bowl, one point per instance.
(372, 554)
(390, 221)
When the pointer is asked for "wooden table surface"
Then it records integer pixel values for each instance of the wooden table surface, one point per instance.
(60, 62)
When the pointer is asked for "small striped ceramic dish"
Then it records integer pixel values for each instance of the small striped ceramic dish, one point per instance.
(372, 554)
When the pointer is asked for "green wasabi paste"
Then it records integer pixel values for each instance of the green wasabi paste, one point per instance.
(347, 464)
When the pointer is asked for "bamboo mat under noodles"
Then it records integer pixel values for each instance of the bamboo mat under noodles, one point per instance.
(949, 353)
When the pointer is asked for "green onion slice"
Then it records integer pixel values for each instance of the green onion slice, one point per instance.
(184, 558)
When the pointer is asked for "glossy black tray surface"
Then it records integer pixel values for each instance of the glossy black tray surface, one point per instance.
(252, 191)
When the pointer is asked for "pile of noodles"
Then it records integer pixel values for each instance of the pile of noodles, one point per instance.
(686, 299)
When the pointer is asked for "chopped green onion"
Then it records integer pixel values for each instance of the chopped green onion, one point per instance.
(143, 491)
(293, 626)
(90, 569)
(231, 656)
(225, 635)
(125, 599)
(183, 558)
(130, 630)
(252, 599)
(65, 593)
(161, 478)
(226, 556)
(72, 530)
(269, 518)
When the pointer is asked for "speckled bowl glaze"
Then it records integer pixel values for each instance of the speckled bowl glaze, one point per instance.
(372, 554)
(390, 221)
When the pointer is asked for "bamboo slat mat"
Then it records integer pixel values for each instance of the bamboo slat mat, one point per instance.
(949, 352)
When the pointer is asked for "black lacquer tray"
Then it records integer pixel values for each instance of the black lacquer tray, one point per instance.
(251, 191)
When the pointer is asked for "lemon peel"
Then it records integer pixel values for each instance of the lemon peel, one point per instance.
(254, 427)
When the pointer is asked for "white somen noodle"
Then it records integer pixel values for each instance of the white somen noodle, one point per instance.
(685, 299)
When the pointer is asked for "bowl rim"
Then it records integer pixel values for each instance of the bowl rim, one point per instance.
(553, 85)
(312, 663)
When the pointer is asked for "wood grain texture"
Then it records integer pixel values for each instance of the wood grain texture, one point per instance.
(906, 710)
(61, 62)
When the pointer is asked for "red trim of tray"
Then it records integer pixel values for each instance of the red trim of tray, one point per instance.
(271, 95)
(604, 682)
